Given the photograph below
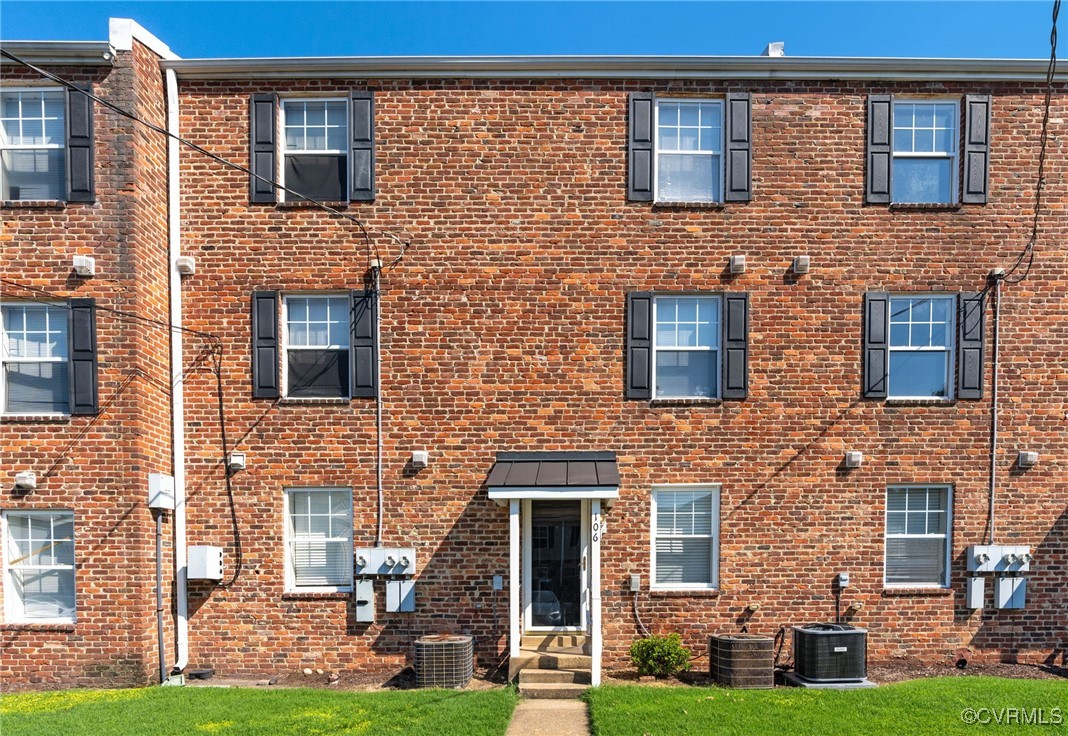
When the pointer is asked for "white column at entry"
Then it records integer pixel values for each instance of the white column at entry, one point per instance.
(596, 532)
(515, 631)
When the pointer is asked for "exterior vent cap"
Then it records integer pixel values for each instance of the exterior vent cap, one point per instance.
(85, 266)
(185, 265)
(775, 48)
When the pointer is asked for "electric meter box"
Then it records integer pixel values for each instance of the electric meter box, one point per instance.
(205, 563)
(385, 561)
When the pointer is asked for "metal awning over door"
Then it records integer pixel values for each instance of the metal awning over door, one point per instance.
(553, 475)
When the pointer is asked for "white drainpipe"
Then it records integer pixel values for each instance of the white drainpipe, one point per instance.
(181, 624)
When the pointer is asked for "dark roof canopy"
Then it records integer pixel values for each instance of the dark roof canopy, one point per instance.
(554, 470)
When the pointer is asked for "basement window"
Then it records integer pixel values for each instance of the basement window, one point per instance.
(318, 539)
(917, 536)
(315, 158)
(317, 349)
(39, 558)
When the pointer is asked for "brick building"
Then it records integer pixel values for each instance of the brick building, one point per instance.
(640, 314)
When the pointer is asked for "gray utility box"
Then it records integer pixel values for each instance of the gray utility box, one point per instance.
(825, 652)
(400, 596)
(1010, 592)
(365, 601)
(742, 660)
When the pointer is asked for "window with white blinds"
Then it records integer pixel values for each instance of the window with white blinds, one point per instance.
(685, 532)
(319, 539)
(39, 558)
(34, 375)
(917, 535)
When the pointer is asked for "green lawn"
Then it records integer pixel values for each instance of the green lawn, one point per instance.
(929, 706)
(193, 711)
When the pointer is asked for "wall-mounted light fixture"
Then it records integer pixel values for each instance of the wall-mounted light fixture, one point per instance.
(85, 266)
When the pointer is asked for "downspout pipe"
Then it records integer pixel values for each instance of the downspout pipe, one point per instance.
(159, 599)
(994, 404)
(376, 295)
(174, 249)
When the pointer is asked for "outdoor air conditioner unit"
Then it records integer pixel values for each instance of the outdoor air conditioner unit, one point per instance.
(826, 652)
(445, 660)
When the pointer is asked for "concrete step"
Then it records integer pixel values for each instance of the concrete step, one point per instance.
(553, 690)
(538, 660)
(544, 642)
(531, 676)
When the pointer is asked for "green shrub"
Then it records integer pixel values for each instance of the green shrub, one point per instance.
(662, 656)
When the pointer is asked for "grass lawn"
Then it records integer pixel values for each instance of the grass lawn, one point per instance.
(928, 706)
(189, 711)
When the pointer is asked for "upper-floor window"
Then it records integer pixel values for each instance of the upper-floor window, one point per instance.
(317, 346)
(35, 350)
(925, 152)
(315, 147)
(33, 144)
(686, 346)
(39, 558)
(921, 347)
(689, 150)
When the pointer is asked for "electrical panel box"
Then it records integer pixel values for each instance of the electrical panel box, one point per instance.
(635, 583)
(385, 561)
(975, 592)
(160, 491)
(498, 582)
(365, 601)
(205, 563)
(400, 596)
(999, 558)
(1010, 592)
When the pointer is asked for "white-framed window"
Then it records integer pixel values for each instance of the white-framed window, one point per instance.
(689, 151)
(918, 523)
(34, 377)
(315, 147)
(33, 143)
(686, 346)
(316, 342)
(685, 537)
(39, 566)
(318, 539)
(921, 346)
(925, 151)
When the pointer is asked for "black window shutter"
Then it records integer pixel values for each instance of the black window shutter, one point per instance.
(84, 396)
(735, 346)
(880, 148)
(265, 345)
(970, 321)
(80, 163)
(362, 130)
(639, 345)
(976, 149)
(640, 147)
(739, 153)
(876, 344)
(263, 131)
(364, 360)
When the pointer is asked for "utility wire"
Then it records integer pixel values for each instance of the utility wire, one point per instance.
(1027, 255)
(371, 245)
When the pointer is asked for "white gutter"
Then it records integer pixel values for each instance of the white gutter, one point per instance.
(616, 67)
(174, 249)
(61, 53)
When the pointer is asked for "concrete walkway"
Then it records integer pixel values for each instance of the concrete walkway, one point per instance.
(549, 718)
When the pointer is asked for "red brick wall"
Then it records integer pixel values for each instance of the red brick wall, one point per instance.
(98, 466)
(503, 330)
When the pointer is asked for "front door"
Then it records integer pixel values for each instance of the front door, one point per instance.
(555, 569)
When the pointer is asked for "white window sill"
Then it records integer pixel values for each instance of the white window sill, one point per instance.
(59, 624)
(317, 593)
(682, 401)
(935, 206)
(919, 401)
(313, 400)
(685, 205)
(684, 592)
(891, 589)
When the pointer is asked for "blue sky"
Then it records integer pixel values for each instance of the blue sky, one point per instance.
(972, 28)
